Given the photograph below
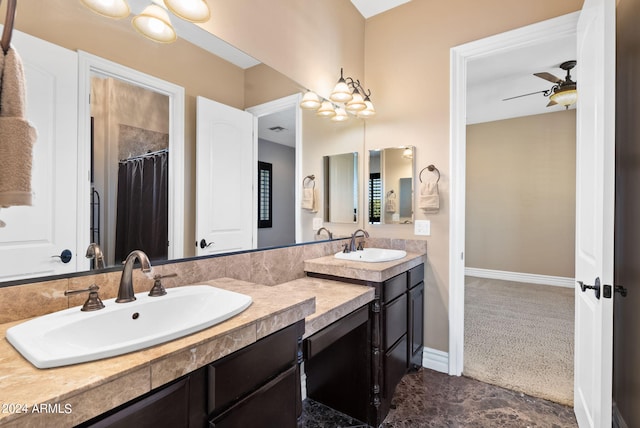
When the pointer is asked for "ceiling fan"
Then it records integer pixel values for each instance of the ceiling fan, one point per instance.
(563, 92)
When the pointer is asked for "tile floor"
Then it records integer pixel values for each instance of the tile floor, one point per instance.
(430, 399)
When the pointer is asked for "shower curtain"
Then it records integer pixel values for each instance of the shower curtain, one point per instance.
(142, 213)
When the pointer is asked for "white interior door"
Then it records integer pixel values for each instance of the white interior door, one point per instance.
(595, 213)
(33, 235)
(225, 173)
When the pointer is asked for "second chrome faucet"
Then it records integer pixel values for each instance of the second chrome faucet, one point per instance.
(125, 291)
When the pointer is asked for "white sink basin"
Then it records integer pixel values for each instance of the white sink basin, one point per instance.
(72, 336)
(372, 255)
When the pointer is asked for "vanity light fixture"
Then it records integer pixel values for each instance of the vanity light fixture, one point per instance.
(116, 9)
(348, 96)
(341, 93)
(326, 109)
(310, 101)
(154, 23)
(189, 10)
(340, 116)
(369, 109)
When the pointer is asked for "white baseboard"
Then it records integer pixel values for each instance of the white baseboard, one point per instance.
(618, 421)
(435, 360)
(531, 278)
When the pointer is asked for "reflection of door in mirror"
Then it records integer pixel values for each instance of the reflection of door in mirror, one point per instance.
(341, 188)
(34, 237)
(130, 135)
(391, 174)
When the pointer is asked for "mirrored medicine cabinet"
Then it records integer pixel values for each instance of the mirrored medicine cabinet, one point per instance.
(391, 185)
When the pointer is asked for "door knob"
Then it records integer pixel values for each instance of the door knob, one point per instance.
(596, 288)
(203, 243)
(65, 256)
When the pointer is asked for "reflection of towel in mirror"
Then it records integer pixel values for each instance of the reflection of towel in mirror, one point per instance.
(17, 136)
(309, 199)
(390, 203)
(429, 197)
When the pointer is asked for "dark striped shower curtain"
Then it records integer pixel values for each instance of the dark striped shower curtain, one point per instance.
(142, 213)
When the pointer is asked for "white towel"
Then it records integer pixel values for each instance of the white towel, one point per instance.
(17, 136)
(310, 199)
(429, 200)
(390, 203)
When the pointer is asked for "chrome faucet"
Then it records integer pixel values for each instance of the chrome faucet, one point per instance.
(125, 292)
(352, 244)
(94, 252)
(326, 230)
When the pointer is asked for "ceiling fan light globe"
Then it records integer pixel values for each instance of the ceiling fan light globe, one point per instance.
(565, 97)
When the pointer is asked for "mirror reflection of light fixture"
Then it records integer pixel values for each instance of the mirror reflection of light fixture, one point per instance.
(407, 153)
(116, 9)
(154, 24)
(189, 10)
(310, 101)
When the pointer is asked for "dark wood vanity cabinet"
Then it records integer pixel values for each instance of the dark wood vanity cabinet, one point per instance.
(394, 340)
(257, 386)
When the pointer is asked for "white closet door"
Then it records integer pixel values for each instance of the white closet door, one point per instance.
(34, 235)
(225, 173)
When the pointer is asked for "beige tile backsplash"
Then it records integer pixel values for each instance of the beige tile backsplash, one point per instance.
(267, 267)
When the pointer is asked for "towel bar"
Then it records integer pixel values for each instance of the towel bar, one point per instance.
(430, 168)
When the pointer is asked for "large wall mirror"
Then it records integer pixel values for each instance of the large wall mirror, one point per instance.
(390, 185)
(186, 65)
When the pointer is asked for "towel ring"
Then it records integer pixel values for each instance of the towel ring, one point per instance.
(430, 168)
(308, 178)
(7, 32)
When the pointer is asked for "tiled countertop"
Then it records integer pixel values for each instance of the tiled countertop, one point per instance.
(79, 392)
(374, 272)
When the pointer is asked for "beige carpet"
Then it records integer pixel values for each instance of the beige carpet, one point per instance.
(520, 336)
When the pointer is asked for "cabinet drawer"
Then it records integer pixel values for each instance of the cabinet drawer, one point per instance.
(323, 339)
(394, 287)
(236, 375)
(395, 320)
(270, 406)
(416, 275)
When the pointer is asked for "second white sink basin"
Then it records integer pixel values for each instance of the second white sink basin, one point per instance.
(71, 336)
(372, 255)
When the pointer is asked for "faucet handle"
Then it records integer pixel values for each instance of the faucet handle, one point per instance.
(158, 288)
(93, 302)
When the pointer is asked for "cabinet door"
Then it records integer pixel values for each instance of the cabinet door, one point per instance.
(416, 325)
(167, 407)
(395, 321)
(269, 406)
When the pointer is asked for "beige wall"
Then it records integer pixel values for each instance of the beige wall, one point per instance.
(520, 194)
(407, 54)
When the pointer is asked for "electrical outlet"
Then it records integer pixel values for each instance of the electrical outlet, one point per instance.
(422, 227)
(317, 223)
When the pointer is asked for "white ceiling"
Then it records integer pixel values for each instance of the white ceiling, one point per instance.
(489, 79)
(285, 119)
(369, 8)
(510, 73)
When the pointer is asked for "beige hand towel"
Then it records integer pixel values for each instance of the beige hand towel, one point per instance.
(390, 203)
(17, 136)
(429, 200)
(309, 199)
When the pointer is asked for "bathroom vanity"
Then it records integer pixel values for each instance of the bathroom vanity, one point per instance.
(355, 364)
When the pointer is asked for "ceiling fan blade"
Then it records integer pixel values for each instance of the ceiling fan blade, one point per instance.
(551, 103)
(524, 95)
(548, 76)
